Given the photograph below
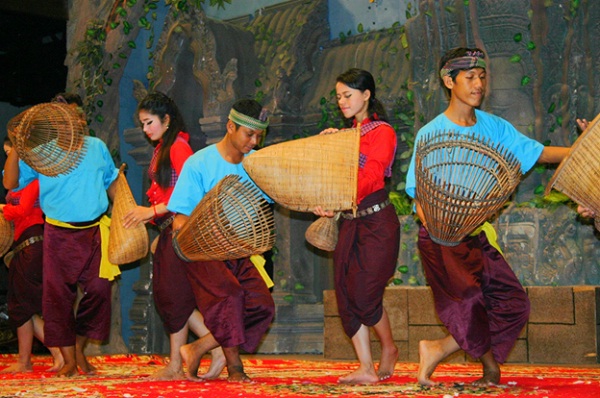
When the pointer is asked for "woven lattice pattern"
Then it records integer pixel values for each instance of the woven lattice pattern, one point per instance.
(461, 182)
(7, 235)
(49, 137)
(578, 175)
(301, 174)
(232, 221)
(323, 233)
(125, 245)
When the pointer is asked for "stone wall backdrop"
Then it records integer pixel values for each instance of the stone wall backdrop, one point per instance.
(542, 75)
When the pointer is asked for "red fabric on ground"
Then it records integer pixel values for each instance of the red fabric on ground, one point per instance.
(123, 376)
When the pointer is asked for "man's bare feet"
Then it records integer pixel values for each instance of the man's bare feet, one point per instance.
(68, 370)
(237, 374)
(57, 360)
(192, 354)
(18, 367)
(217, 364)
(83, 364)
(168, 372)
(362, 375)
(430, 355)
(387, 363)
(490, 378)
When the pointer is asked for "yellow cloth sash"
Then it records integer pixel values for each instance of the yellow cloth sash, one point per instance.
(108, 270)
(259, 262)
(490, 234)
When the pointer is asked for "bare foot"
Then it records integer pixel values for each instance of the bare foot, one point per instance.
(430, 355)
(68, 370)
(18, 368)
(57, 360)
(237, 374)
(217, 364)
(85, 367)
(491, 377)
(167, 373)
(387, 363)
(361, 375)
(192, 354)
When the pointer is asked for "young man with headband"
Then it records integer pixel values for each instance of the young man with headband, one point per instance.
(231, 295)
(477, 295)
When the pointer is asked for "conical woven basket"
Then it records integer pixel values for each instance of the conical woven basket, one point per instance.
(323, 233)
(125, 245)
(461, 181)
(7, 235)
(49, 137)
(301, 174)
(578, 175)
(232, 221)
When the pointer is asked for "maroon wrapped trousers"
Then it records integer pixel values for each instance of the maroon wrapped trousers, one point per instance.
(72, 259)
(477, 295)
(365, 259)
(173, 294)
(25, 279)
(234, 300)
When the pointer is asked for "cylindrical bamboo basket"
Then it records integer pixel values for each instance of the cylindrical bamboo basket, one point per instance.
(7, 235)
(578, 175)
(49, 137)
(461, 181)
(232, 221)
(323, 233)
(301, 174)
(125, 245)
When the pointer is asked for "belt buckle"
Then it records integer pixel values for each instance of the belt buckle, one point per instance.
(376, 207)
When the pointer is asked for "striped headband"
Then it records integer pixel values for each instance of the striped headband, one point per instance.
(470, 61)
(248, 121)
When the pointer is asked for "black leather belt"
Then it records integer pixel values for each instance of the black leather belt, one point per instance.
(28, 242)
(368, 211)
(166, 223)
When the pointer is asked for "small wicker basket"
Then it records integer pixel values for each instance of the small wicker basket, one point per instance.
(7, 235)
(232, 221)
(125, 245)
(323, 233)
(301, 174)
(461, 181)
(49, 137)
(578, 175)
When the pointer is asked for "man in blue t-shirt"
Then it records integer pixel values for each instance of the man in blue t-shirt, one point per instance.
(477, 295)
(231, 295)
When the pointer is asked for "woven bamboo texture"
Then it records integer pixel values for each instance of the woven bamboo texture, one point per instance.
(232, 221)
(7, 235)
(125, 245)
(49, 137)
(578, 175)
(461, 182)
(301, 174)
(323, 233)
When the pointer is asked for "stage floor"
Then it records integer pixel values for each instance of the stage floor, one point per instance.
(294, 376)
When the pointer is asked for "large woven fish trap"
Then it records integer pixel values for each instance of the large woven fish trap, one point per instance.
(461, 181)
(578, 175)
(7, 235)
(125, 245)
(301, 174)
(232, 221)
(49, 137)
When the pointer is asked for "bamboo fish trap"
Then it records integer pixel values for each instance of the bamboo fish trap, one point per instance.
(578, 175)
(232, 221)
(323, 233)
(125, 245)
(461, 180)
(49, 137)
(301, 174)
(7, 235)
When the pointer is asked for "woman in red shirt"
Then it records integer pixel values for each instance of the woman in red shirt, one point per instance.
(25, 272)
(367, 249)
(162, 123)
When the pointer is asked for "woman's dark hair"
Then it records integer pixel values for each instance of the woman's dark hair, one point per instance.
(159, 104)
(360, 79)
(456, 52)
